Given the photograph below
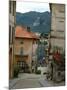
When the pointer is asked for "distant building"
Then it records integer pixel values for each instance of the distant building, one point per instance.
(43, 48)
(38, 34)
(25, 46)
(57, 26)
(12, 21)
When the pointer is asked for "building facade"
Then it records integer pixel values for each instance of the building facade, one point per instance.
(25, 46)
(12, 21)
(57, 26)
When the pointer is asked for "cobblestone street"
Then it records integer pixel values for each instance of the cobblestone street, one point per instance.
(32, 81)
(27, 83)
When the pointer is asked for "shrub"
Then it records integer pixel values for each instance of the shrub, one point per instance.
(44, 73)
(16, 71)
(38, 72)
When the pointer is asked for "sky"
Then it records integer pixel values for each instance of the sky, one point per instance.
(24, 7)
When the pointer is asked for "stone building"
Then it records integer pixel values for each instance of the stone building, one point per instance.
(12, 21)
(57, 25)
(57, 43)
(25, 46)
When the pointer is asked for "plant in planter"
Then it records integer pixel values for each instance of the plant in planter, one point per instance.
(38, 72)
(16, 71)
(44, 73)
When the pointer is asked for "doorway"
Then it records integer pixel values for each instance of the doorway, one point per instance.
(23, 66)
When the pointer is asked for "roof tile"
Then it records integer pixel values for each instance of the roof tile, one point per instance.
(23, 33)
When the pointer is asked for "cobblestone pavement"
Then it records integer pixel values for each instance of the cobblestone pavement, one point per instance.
(47, 83)
(32, 81)
(27, 83)
(27, 80)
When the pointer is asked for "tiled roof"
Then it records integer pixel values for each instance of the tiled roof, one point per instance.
(22, 32)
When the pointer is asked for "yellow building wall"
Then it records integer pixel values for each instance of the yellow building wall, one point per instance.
(27, 49)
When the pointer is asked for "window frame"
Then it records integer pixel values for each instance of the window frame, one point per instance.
(9, 34)
(10, 6)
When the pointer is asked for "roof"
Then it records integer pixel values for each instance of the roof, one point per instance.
(21, 32)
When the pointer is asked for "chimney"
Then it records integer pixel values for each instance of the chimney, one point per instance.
(28, 29)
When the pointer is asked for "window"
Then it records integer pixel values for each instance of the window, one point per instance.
(10, 6)
(33, 42)
(61, 11)
(61, 21)
(12, 33)
(21, 65)
(36, 42)
(13, 8)
(21, 42)
(21, 50)
(9, 34)
(14, 4)
(61, 18)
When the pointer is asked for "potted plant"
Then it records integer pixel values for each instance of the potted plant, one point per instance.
(16, 71)
(38, 72)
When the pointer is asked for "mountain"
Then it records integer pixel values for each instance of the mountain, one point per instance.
(38, 22)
